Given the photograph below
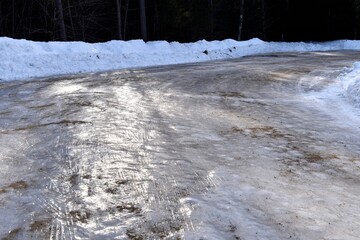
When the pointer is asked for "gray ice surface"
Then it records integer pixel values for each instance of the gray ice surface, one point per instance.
(219, 150)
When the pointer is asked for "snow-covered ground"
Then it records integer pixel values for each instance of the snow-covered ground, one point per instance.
(22, 59)
(342, 96)
(350, 84)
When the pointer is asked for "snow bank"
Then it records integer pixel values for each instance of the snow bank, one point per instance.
(341, 99)
(22, 59)
(350, 84)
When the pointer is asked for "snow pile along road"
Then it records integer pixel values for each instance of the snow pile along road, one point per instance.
(22, 59)
(350, 82)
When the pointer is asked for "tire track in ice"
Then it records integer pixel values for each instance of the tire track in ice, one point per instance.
(128, 176)
(105, 167)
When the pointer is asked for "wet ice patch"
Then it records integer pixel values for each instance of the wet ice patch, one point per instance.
(66, 88)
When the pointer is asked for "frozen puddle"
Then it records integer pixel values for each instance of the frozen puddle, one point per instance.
(242, 149)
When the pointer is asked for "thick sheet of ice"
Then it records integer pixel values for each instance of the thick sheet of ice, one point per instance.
(226, 150)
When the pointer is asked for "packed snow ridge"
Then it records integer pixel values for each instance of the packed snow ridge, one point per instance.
(350, 84)
(22, 59)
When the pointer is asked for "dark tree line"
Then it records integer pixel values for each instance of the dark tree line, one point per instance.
(180, 20)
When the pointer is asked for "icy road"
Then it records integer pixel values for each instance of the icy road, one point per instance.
(252, 148)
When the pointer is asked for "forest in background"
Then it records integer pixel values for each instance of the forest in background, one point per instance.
(180, 20)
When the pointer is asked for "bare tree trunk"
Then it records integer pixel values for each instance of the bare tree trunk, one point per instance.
(1, 21)
(357, 18)
(13, 19)
(118, 13)
(143, 20)
(60, 19)
(71, 21)
(125, 17)
(83, 27)
(156, 19)
(263, 5)
(284, 19)
(30, 19)
(211, 19)
(241, 20)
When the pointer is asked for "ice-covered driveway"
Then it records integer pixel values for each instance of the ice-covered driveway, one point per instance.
(240, 149)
